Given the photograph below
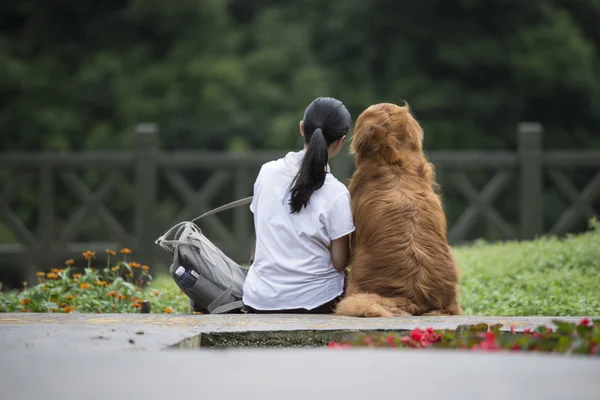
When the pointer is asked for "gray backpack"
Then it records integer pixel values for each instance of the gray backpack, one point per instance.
(220, 280)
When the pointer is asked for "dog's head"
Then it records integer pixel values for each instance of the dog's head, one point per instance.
(386, 131)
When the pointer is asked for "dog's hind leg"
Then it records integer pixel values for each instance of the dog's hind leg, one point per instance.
(373, 305)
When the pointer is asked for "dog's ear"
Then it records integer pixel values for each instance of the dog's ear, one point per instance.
(368, 139)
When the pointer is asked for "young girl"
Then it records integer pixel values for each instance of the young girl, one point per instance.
(302, 220)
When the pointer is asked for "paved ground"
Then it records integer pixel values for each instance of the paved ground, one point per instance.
(91, 332)
(295, 374)
(79, 356)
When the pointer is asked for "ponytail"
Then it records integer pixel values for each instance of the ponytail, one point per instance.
(311, 175)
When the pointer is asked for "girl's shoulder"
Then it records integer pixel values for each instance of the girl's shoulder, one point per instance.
(334, 185)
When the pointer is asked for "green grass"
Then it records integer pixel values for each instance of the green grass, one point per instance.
(548, 276)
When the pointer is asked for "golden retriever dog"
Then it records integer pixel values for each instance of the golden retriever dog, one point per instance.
(401, 262)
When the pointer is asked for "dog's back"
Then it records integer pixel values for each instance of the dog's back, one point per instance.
(401, 262)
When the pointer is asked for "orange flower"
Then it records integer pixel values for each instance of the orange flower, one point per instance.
(67, 309)
(111, 294)
(121, 297)
(114, 306)
(25, 301)
(25, 309)
(101, 283)
(125, 251)
(57, 271)
(76, 276)
(138, 305)
(40, 274)
(63, 304)
(134, 265)
(89, 254)
(69, 297)
(129, 274)
(84, 285)
(111, 252)
(51, 275)
(115, 269)
(155, 292)
(54, 309)
(70, 261)
(168, 310)
(145, 267)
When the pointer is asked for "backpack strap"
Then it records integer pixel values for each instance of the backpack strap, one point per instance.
(162, 240)
(228, 206)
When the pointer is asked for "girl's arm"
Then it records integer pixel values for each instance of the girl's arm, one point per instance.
(340, 252)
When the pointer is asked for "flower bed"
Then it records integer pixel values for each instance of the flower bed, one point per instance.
(119, 286)
(567, 338)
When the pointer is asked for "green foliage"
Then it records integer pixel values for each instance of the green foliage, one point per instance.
(108, 289)
(218, 73)
(568, 338)
(549, 276)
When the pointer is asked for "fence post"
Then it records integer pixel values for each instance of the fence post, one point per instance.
(530, 136)
(146, 171)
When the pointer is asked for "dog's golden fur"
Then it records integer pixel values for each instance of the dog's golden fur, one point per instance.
(401, 262)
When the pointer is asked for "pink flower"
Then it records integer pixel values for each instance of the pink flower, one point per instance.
(513, 329)
(391, 341)
(368, 340)
(527, 331)
(416, 334)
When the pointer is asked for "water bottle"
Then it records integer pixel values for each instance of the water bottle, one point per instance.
(185, 277)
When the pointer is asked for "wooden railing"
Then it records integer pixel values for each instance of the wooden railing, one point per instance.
(161, 191)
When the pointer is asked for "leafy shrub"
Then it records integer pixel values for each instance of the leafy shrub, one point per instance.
(568, 338)
(548, 276)
(118, 288)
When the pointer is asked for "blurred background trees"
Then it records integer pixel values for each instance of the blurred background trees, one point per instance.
(237, 75)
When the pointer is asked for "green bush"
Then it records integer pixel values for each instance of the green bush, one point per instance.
(568, 338)
(548, 276)
(102, 288)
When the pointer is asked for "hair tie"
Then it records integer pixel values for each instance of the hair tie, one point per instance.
(320, 127)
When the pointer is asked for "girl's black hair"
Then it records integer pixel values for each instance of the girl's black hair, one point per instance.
(325, 121)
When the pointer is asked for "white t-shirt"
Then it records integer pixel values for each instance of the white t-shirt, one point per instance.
(292, 264)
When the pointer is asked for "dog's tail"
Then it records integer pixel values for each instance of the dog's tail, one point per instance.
(374, 305)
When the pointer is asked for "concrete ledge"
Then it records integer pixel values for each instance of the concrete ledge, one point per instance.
(119, 332)
(297, 375)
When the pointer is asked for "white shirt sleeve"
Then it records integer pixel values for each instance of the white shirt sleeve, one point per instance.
(339, 218)
(255, 192)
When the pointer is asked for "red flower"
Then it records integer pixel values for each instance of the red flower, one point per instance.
(550, 330)
(527, 331)
(391, 341)
(584, 322)
(416, 334)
